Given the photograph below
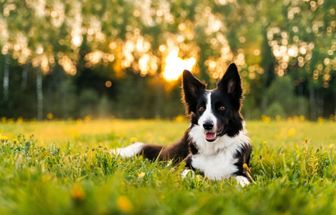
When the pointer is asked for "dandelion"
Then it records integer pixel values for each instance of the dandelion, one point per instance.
(3, 137)
(302, 118)
(50, 116)
(320, 120)
(19, 120)
(141, 175)
(179, 118)
(77, 193)
(265, 119)
(291, 132)
(124, 204)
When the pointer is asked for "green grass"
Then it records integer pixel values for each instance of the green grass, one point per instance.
(64, 168)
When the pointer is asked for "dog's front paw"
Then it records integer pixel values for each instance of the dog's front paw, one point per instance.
(243, 181)
(187, 173)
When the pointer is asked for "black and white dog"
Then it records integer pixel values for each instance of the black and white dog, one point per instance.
(216, 143)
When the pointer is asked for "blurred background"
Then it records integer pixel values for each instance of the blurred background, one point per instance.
(70, 59)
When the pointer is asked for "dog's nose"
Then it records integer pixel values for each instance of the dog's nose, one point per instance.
(208, 125)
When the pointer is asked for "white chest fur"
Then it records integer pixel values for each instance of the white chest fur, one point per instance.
(217, 166)
(216, 159)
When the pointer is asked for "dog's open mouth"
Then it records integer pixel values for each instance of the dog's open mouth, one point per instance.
(210, 136)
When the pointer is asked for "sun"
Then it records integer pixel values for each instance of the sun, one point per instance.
(174, 65)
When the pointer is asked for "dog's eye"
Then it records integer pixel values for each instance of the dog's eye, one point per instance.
(221, 108)
(201, 109)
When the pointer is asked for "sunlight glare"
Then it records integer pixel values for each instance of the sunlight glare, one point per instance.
(174, 65)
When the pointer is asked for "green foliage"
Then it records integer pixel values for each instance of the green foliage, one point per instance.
(61, 100)
(104, 107)
(275, 109)
(293, 165)
(282, 101)
(146, 98)
(88, 101)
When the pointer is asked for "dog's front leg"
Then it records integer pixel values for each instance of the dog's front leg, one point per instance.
(242, 180)
(187, 172)
(189, 169)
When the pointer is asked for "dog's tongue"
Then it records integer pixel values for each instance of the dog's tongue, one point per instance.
(210, 136)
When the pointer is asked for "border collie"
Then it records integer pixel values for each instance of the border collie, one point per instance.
(216, 143)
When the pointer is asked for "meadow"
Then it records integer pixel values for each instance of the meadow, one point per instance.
(63, 167)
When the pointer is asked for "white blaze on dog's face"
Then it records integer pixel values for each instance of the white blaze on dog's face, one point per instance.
(215, 112)
(207, 119)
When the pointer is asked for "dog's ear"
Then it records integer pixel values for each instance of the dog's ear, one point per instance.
(192, 88)
(231, 85)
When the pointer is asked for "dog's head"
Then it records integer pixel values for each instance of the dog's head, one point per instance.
(217, 111)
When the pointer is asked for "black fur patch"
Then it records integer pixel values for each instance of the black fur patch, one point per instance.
(193, 148)
(243, 155)
(176, 152)
(192, 89)
(230, 84)
(188, 161)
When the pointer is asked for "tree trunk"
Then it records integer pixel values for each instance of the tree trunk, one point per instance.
(312, 102)
(320, 105)
(25, 76)
(39, 93)
(6, 79)
(302, 101)
(335, 104)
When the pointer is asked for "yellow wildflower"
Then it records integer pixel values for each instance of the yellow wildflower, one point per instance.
(302, 118)
(320, 120)
(124, 204)
(3, 137)
(265, 119)
(180, 118)
(291, 132)
(77, 193)
(19, 120)
(50, 116)
(141, 175)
